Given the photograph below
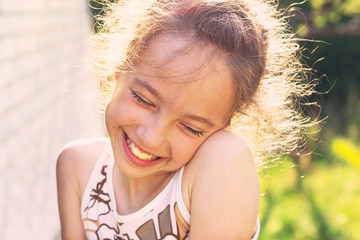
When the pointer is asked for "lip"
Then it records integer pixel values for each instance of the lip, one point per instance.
(135, 160)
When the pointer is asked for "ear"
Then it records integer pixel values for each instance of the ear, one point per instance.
(117, 75)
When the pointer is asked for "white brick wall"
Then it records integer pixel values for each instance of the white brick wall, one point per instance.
(42, 92)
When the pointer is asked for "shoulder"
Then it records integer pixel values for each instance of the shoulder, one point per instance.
(76, 160)
(227, 143)
(81, 151)
(223, 188)
(223, 152)
(81, 148)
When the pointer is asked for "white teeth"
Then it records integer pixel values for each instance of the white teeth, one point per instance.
(138, 153)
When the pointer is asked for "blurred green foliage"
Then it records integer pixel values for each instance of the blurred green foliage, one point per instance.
(346, 150)
(316, 195)
(318, 204)
(331, 12)
(328, 17)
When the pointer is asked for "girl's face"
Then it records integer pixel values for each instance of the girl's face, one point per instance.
(160, 114)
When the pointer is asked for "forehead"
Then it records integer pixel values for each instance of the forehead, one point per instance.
(192, 78)
(179, 59)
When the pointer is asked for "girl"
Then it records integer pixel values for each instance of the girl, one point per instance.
(186, 73)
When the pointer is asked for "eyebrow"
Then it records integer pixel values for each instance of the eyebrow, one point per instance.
(148, 87)
(154, 92)
(200, 119)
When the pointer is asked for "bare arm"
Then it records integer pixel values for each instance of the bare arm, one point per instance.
(73, 169)
(225, 190)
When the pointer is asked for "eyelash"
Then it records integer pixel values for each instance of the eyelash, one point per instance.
(140, 100)
(193, 132)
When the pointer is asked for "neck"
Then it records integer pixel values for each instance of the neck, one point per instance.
(132, 194)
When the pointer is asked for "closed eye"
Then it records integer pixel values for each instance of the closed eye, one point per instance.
(193, 131)
(141, 100)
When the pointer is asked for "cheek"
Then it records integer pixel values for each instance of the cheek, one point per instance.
(185, 149)
(114, 113)
(110, 114)
(117, 104)
(122, 111)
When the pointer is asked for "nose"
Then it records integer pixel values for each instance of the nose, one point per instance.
(152, 132)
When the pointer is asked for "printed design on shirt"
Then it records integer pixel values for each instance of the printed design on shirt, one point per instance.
(100, 221)
(98, 213)
(99, 197)
(147, 230)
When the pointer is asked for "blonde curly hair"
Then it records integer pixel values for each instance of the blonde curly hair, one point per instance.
(251, 35)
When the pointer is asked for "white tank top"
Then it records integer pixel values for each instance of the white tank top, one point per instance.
(157, 220)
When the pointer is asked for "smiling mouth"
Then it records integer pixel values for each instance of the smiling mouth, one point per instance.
(139, 153)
